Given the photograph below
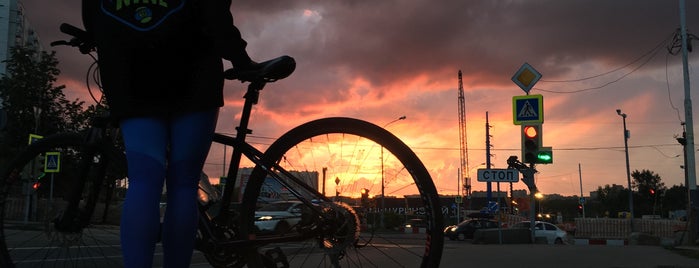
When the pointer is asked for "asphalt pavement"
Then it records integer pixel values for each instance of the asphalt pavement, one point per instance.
(465, 254)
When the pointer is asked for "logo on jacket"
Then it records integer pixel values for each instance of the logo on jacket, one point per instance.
(141, 15)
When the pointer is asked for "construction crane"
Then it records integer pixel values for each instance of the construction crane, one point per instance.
(463, 148)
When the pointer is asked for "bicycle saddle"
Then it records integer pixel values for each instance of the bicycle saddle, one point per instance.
(267, 71)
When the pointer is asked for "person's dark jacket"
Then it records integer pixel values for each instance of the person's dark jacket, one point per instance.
(176, 68)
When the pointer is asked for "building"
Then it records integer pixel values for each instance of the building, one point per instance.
(271, 189)
(14, 30)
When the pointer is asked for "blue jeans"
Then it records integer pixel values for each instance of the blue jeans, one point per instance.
(171, 151)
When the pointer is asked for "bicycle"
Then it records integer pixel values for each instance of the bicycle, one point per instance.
(78, 227)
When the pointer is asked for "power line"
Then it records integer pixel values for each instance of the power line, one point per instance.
(647, 55)
(653, 146)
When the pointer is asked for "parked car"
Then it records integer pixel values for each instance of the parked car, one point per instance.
(465, 229)
(550, 232)
(279, 217)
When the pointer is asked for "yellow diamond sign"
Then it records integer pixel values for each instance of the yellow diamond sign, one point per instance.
(526, 77)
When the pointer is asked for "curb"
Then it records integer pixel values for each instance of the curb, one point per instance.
(603, 242)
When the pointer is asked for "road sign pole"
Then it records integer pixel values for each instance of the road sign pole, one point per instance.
(51, 193)
(499, 218)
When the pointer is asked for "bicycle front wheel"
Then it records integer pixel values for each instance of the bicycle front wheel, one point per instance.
(65, 218)
(377, 186)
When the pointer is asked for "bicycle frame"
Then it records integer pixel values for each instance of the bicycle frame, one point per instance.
(242, 148)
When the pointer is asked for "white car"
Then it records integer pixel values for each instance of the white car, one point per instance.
(279, 217)
(550, 232)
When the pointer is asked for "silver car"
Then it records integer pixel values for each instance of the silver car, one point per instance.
(550, 232)
(279, 217)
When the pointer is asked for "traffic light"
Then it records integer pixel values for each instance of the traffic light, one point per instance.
(531, 143)
(36, 185)
(365, 197)
(544, 156)
(652, 192)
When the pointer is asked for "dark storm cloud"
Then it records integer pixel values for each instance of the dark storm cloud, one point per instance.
(385, 41)
(378, 59)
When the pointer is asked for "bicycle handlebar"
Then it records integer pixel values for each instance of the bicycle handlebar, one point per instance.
(81, 39)
(268, 71)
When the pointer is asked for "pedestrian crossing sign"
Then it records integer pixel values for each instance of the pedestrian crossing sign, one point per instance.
(528, 109)
(52, 162)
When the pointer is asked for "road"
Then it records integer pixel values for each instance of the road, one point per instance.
(466, 254)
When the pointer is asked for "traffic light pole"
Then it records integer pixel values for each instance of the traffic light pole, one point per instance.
(528, 179)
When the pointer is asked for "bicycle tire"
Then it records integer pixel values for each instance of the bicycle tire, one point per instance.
(49, 235)
(390, 248)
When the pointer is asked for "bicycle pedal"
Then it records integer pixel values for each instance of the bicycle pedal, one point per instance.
(275, 257)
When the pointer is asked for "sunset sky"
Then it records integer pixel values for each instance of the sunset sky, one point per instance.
(379, 60)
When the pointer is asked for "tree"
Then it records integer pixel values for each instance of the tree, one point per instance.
(674, 198)
(649, 187)
(32, 103)
(612, 199)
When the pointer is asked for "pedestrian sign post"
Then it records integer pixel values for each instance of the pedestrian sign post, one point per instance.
(52, 162)
(528, 109)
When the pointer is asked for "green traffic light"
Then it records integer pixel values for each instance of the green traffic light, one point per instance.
(544, 157)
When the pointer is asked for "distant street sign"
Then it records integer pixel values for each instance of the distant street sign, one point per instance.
(526, 77)
(34, 137)
(493, 207)
(52, 162)
(498, 175)
(528, 109)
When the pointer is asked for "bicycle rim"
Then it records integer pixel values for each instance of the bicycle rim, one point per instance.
(38, 225)
(349, 155)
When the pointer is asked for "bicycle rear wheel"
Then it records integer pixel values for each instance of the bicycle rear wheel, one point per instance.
(65, 219)
(349, 229)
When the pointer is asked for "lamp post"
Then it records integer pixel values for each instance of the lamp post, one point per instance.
(337, 190)
(383, 185)
(540, 200)
(628, 170)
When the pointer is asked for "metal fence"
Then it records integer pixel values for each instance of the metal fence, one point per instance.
(15, 210)
(607, 228)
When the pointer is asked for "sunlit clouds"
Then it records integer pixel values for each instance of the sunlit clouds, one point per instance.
(379, 60)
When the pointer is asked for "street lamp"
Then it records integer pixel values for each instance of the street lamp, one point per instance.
(540, 198)
(383, 186)
(337, 190)
(628, 171)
